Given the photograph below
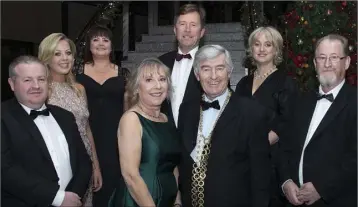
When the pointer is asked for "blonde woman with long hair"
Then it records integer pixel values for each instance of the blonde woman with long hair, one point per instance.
(57, 52)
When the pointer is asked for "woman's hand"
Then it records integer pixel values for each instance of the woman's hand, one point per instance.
(273, 138)
(97, 177)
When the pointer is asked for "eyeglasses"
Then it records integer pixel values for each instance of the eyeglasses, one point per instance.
(333, 59)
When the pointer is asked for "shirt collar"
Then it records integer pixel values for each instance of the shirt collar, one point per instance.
(220, 98)
(191, 52)
(28, 110)
(334, 91)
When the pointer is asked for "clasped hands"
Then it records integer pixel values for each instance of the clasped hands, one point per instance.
(307, 194)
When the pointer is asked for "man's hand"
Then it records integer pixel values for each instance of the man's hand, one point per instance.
(308, 194)
(71, 199)
(291, 190)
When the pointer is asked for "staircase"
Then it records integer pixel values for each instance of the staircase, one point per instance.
(161, 40)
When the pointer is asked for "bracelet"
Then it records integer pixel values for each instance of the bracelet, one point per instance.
(177, 205)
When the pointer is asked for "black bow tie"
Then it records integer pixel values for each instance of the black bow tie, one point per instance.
(179, 57)
(206, 105)
(34, 113)
(329, 97)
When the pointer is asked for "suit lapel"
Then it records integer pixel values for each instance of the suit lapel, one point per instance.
(166, 108)
(338, 104)
(193, 87)
(169, 62)
(306, 113)
(30, 126)
(67, 132)
(226, 117)
(191, 126)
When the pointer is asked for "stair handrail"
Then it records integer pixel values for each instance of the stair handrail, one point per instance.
(106, 14)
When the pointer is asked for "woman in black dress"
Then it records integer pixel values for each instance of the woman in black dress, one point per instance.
(272, 88)
(104, 82)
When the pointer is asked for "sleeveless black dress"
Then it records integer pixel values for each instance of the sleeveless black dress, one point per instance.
(105, 105)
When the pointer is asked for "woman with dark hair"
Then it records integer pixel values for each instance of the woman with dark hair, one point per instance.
(104, 82)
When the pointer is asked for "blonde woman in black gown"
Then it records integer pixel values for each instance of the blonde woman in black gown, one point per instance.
(272, 88)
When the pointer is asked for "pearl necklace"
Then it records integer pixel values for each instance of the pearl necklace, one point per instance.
(155, 117)
(257, 76)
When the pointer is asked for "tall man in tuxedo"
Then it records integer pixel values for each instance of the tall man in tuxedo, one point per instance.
(188, 29)
(319, 149)
(225, 152)
(43, 160)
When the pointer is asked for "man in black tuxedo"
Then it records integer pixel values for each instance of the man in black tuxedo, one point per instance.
(188, 29)
(43, 160)
(318, 164)
(225, 151)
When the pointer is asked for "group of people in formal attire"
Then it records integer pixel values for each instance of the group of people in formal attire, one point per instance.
(174, 133)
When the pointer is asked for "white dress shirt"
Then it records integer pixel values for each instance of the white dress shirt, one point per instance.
(57, 146)
(320, 111)
(209, 117)
(180, 76)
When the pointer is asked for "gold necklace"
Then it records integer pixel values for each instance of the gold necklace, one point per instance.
(155, 117)
(200, 167)
(257, 76)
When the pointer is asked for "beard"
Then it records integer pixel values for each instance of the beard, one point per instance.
(328, 79)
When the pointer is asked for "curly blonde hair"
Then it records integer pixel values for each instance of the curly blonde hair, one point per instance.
(272, 35)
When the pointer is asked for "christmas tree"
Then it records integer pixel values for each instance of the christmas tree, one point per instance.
(252, 17)
(306, 22)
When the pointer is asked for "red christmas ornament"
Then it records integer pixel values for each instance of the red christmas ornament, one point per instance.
(352, 79)
(339, 8)
(344, 3)
(299, 58)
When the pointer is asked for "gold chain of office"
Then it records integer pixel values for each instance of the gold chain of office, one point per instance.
(200, 166)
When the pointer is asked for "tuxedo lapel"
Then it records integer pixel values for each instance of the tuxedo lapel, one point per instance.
(30, 126)
(338, 104)
(306, 113)
(67, 132)
(169, 61)
(191, 126)
(226, 117)
(192, 89)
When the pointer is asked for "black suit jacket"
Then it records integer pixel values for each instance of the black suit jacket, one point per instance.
(193, 88)
(238, 170)
(330, 158)
(28, 176)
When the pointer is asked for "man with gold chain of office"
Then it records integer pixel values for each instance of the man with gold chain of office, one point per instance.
(225, 153)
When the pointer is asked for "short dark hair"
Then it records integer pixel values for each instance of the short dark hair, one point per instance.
(24, 59)
(189, 8)
(97, 31)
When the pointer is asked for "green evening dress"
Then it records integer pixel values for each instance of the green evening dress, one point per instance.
(160, 155)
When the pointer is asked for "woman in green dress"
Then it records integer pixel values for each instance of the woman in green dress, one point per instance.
(148, 144)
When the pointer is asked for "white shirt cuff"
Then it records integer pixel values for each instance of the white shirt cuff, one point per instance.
(284, 185)
(60, 196)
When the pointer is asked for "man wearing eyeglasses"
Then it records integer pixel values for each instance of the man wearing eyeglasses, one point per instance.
(318, 165)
